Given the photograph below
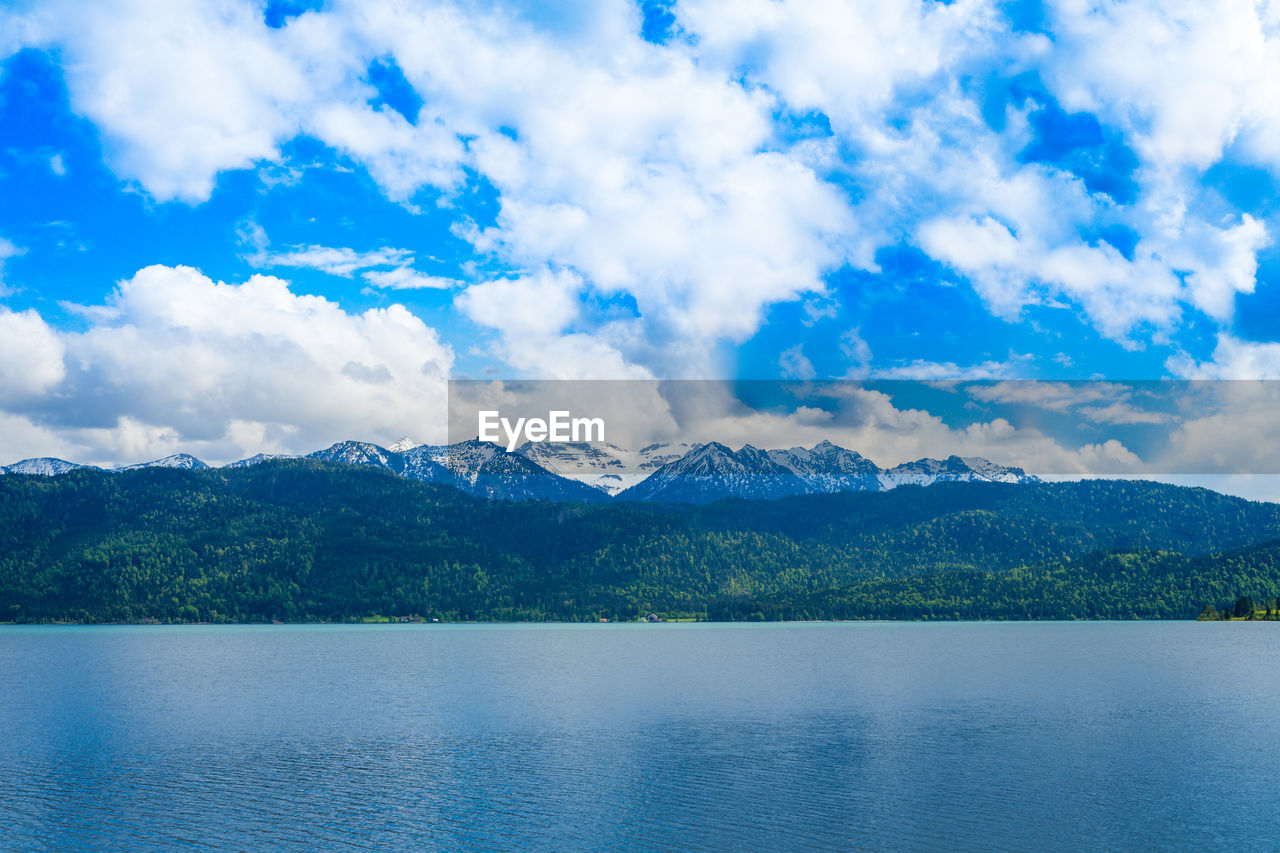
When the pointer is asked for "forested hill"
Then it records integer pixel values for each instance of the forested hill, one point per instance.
(300, 540)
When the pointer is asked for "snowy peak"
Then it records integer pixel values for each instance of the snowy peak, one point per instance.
(601, 465)
(829, 468)
(712, 471)
(482, 468)
(987, 470)
(402, 444)
(958, 469)
(419, 463)
(184, 461)
(43, 466)
(465, 460)
(476, 467)
(257, 458)
(358, 453)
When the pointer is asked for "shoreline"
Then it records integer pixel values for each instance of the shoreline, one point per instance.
(562, 623)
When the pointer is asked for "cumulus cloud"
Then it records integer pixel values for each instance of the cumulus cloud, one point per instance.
(1185, 79)
(174, 360)
(539, 306)
(213, 88)
(535, 317)
(401, 157)
(31, 355)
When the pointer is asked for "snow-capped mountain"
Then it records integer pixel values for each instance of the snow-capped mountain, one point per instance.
(177, 460)
(475, 467)
(484, 469)
(827, 468)
(44, 466)
(964, 469)
(605, 466)
(419, 463)
(712, 471)
(402, 444)
(258, 458)
(359, 453)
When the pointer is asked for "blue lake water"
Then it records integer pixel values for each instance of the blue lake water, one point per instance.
(970, 736)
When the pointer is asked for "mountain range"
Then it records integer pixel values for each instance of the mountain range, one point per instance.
(598, 472)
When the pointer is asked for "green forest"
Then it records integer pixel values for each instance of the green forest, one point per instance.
(301, 541)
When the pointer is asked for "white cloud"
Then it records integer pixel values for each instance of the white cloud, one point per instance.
(1124, 413)
(7, 250)
(405, 278)
(401, 157)
(1223, 264)
(1054, 396)
(1185, 79)
(176, 360)
(21, 438)
(31, 355)
(847, 59)
(1231, 427)
(1097, 402)
(387, 268)
(1232, 358)
(1118, 294)
(795, 364)
(182, 90)
(856, 350)
(534, 317)
(925, 370)
(343, 262)
(540, 305)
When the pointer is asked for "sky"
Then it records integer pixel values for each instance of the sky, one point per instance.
(230, 227)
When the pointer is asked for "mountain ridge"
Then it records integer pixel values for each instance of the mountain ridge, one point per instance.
(662, 472)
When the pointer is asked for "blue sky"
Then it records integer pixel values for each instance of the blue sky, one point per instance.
(230, 227)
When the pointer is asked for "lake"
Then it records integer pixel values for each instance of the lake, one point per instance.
(868, 736)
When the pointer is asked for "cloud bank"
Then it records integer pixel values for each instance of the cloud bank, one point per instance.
(174, 361)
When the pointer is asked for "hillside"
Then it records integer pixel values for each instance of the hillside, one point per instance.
(305, 540)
